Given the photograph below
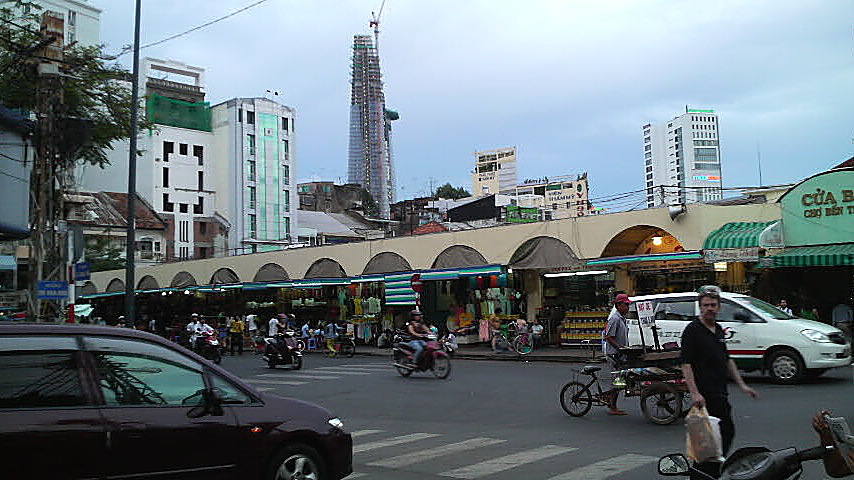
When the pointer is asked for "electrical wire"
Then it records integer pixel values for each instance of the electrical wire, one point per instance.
(127, 49)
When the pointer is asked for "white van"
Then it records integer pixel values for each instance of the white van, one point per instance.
(759, 335)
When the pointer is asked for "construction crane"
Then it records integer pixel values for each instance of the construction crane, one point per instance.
(375, 23)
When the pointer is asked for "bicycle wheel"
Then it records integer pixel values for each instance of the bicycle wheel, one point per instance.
(575, 399)
(347, 349)
(522, 345)
(661, 404)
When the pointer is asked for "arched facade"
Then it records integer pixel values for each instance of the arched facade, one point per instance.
(147, 283)
(115, 285)
(459, 256)
(271, 272)
(386, 262)
(543, 253)
(642, 240)
(224, 276)
(183, 279)
(88, 288)
(325, 268)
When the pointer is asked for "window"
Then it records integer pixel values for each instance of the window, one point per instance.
(649, 176)
(39, 373)
(203, 228)
(240, 115)
(286, 175)
(647, 147)
(286, 194)
(250, 117)
(252, 170)
(285, 147)
(285, 124)
(252, 197)
(184, 252)
(183, 231)
(72, 18)
(729, 312)
(202, 252)
(646, 140)
(554, 206)
(293, 126)
(140, 373)
(167, 205)
(199, 208)
(287, 223)
(182, 207)
(168, 149)
(182, 149)
(201, 181)
(250, 141)
(198, 152)
(165, 177)
(156, 246)
(253, 225)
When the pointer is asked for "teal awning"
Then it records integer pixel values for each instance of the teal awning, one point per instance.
(655, 257)
(736, 235)
(816, 256)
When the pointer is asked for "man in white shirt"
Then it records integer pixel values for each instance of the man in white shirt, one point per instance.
(198, 329)
(784, 306)
(273, 327)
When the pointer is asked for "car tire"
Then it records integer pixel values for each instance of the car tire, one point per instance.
(786, 367)
(297, 458)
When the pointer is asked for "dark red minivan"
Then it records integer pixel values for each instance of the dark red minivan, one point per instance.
(88, 402)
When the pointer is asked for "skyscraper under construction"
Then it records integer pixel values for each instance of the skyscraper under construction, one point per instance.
(371, 163)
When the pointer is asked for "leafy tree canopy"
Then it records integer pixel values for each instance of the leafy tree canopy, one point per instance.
(369, 205)
(448, 191)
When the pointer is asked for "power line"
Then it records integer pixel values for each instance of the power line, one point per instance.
(204, 25)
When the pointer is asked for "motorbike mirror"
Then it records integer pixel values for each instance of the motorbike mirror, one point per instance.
(673, 465)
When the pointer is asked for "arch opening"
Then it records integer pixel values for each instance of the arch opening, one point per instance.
(115, 285)
(88, 288)
(183, 279)
(459, 256)
(543, 253)
(147, 283)
(271, 272)
(642, 240)
(325, 268)
(223, 276)
(386, 262)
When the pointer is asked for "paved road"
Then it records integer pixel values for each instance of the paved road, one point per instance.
(494, 420)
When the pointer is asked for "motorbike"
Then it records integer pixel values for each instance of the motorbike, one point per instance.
(286, 352)
(210, 348)
(760, 463)
(433, 358)
(449, 343)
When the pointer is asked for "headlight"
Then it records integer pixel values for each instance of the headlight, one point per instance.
(337, 423)
(815, 335)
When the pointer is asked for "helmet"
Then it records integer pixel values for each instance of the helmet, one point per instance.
(416, 313)
(194, 315)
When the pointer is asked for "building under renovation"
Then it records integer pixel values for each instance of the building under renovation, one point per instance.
(371, 162)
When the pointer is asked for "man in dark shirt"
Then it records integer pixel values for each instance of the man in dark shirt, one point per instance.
(706, 363)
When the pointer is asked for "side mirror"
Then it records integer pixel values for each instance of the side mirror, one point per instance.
(673, 465)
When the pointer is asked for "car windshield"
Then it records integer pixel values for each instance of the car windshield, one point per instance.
(765, 307)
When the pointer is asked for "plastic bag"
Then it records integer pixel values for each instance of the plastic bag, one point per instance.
(702, 435)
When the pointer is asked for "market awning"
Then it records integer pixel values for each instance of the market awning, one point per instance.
(736, 235)
(655, 257)
(8, 262)
(816, 256)
(398, 289)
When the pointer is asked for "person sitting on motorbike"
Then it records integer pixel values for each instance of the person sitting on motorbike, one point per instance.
(418, 331)
(200, 329)
(277, 328)
(835, 464)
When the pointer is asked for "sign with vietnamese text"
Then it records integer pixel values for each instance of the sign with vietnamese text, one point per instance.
(82, 271)
(52, 290)
(820, 210)
(715, 255)
(646, 316)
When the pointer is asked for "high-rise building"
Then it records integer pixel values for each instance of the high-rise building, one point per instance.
(256, 173)
(494, 172)
(682, 159)
(82, 21)
(370, 161)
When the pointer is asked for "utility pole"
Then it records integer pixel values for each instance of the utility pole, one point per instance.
(130, 268)
(45, 182)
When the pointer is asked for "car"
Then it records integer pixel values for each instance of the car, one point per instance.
(102, 402)
(759, 336)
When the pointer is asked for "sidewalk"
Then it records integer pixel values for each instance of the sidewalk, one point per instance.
(484, 352)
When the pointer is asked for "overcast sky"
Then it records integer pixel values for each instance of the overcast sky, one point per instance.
(569, 83)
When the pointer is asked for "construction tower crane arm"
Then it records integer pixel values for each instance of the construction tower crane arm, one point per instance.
(375, 23)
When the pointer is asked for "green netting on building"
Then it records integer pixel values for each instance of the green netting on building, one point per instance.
(178, 113)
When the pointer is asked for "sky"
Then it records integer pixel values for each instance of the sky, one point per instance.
(569, 83)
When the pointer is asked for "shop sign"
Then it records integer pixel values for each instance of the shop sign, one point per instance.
(485, 177)
(820, 210)
(646, 316)
(715, 255)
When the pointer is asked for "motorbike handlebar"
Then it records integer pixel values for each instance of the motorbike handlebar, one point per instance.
(815, 453)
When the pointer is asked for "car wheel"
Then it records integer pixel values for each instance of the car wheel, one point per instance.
(786, 366)
(297, 461)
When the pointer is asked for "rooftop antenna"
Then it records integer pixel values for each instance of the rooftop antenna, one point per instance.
(759, 162)
(375, 23)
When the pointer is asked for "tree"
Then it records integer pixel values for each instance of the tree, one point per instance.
(369, 205)
(450, 192)
(94, 91)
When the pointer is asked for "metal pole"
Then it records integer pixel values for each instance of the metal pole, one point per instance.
(130, 282)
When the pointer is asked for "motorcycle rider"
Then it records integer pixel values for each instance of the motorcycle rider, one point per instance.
(198, 329)
(276, 327)
(418, 331)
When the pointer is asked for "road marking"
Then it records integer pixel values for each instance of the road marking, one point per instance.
(300, 375)
(340, 371)
(362, 433)
(607, 468)
(364, 365)
(414, 437)
(264, 389)
(274, 382)
(507, 462)
(430, 454)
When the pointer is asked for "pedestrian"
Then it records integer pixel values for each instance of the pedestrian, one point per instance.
(330, 333)
(616, 336)
(495, 327)
(784, 306)
(843, 317)
(537, 331)
(120, 322)
(253, 325)
(235, 333)
(706, 363)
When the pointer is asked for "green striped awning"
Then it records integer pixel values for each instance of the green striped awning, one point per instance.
(736, 235)
(816, 256)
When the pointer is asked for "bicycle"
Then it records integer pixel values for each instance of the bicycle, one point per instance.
(662, 393)
(522, 343)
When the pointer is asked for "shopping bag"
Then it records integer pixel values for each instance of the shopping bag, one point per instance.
(702, 435)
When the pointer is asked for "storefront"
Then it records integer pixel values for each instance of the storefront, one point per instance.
(735, 250)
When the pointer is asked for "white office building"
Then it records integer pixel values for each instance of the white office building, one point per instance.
(256, 174)
(682, 159)
(82, 20)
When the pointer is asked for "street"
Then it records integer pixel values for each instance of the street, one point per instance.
(502, 419)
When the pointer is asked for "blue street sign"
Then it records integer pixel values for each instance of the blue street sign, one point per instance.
(52, 290)
(82, 271)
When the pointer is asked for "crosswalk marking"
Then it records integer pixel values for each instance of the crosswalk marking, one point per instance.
(274, 382)
(431, 453)
(414, 437)
(606, 468)
(340, 371)
(298, 375)
(362, 433)
(507, 462)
